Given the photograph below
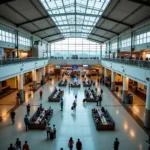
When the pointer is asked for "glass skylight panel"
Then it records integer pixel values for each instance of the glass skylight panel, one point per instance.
(86, 12)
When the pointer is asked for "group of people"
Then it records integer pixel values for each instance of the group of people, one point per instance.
(51, 132)
(78, 144)
(18, 146)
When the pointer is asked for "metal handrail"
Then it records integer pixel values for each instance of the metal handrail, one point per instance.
(20, 60)
(132, 62)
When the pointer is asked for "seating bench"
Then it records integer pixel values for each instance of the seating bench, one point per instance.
(62, 83)
(40, 122)
(103, 121)
(75, 85)
(55, 96)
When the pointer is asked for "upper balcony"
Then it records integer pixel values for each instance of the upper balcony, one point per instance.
(131, 62)
(13, 67)
(12, 61)
(75, 60)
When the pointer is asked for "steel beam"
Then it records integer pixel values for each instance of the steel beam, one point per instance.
(107, 30)
(5, 1)
(99, 36)
(51, 35)
(75, 33)
(113, 20)
(52, 27)
(95, 40)
(146, 3)
(80, 14)
(63, 25)
(31, 21)
(56, 40)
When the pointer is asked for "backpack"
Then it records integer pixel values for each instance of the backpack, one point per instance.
(70, 144)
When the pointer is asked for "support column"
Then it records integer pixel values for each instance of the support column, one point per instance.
(125, 88)
(21, 90)
(43, 74)
(34, 80)
(40, 73)
(105, 75)
(147, 109)
(112, 80)
(48, 69)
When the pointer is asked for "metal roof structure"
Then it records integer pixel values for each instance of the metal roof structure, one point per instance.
(96, 20)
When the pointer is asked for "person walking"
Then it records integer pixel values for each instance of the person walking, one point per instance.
(74, 105)
(48, 129)
(61, 104)
(18, 144)
(41, 93)
(26, 146)
(11, 147)
(100, 100)
(54, 131)
(76, 97)
(78, 145)
(101, 91)
(12, 116)
(28, 109)
(70, 143)
(97, 100)
(116, 144)
(26, 121)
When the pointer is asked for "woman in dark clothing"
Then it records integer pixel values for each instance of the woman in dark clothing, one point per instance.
(70, 143)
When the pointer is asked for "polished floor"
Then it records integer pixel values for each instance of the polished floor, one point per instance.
(78, 124)
(138, 106)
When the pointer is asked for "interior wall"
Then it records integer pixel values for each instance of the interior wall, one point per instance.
(12, 82)
(118, 78)
(140, 86)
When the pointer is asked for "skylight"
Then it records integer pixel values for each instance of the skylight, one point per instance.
(75, 17)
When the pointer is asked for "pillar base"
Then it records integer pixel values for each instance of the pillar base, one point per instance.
(22, 95)
(112, 86)
(105, 80)
(147, 119)
(34, 85)
(43, 78)
(124, 96)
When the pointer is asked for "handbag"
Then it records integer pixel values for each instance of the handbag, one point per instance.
(72, 108)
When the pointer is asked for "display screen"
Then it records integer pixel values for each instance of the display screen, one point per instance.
(85, 66)
(75, 67)
(57, 66)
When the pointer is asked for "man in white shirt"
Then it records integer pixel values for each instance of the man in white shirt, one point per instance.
(48, 130)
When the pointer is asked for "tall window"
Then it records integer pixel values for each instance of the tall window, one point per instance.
(114, 46)
(126, 42)
(75, 46)
(7, 36)
(142, 38)
(103, 50)
(24, 41)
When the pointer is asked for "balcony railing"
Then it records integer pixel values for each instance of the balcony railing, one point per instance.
(132, 62)
(78, 58)
(19, 60)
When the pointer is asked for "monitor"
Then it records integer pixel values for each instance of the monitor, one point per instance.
(75, 67)
(57, 66)
(85, 66)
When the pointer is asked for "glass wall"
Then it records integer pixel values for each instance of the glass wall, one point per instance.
(7, 37)
(142, 38)
(75, 46)
(24, 41)
(126, 42)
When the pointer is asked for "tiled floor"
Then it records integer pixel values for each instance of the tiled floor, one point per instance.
(9, 101)
(138, 106)
(77, 124)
